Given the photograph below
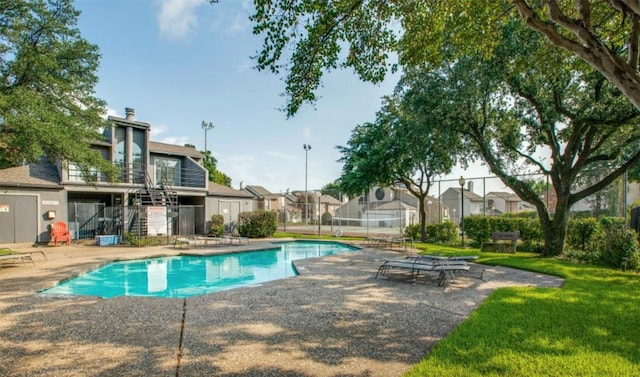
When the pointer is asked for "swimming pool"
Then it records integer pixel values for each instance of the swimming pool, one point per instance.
(186, 276)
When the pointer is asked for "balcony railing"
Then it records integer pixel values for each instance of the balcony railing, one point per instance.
(136, 174)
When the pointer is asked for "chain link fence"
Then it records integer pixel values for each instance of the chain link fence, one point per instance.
(389, 210)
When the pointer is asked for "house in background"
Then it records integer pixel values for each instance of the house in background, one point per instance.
(265, 199)
(228, 202)
(329, 205)
(432, 207)
(453, 198)
(499, 202)
(388, 207)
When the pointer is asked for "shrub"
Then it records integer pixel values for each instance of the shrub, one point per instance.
(412, 231)
(216, 228)
(132, 239)
(258, 224)
(524, 214)
(478, 228)
(445, 232)
(581, 233)
(327, 219)
(616, 242)
(530, 233)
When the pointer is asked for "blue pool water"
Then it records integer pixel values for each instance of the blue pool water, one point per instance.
(186, 276)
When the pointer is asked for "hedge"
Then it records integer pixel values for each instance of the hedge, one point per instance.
(258, 224)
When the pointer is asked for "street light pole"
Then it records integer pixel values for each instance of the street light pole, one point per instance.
(461, 182)
(206, 127)
(319, 194)
(307, 148)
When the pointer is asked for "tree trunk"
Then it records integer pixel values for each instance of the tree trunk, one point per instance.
(423, 220)
(555, 229)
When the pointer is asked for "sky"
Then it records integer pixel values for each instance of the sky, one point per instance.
(181, 62)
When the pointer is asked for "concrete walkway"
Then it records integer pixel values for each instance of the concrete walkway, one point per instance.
(334, 319)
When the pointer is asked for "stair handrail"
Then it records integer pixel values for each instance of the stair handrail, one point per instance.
(148, 185)
(168, 191)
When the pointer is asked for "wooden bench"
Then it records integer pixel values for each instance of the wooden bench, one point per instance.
(502, 242)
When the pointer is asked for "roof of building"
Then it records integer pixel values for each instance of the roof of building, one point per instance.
(103, 143)
(467, 194)
(389, 206)
(216, 189)
(172, 149)
(328, 199)
(258, 191)
(504, 195)
(41, 174)
(128, 121)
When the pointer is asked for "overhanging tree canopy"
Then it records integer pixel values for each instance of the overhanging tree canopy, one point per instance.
(47, 78)
(368, 35)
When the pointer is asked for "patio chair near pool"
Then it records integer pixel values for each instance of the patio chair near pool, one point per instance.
(445, 267)
(211, 240)
(13, 257)
(60, 233)
(231, 234)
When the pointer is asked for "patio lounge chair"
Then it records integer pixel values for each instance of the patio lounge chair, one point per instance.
(208, 240)
(6, 251)
(179, 242)
(12, 256)
(445, 268)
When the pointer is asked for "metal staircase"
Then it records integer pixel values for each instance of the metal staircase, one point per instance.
(152, 195)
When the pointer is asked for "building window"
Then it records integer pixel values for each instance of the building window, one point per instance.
(121, 146)
(138, 156)
(168, 170)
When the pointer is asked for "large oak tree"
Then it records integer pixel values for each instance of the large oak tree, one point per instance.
(529, 108)
(47, 77)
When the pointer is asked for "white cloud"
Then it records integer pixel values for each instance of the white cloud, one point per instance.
(239, 24)
(176, 140)
(178, 17)
(110, 112)
(158, 129)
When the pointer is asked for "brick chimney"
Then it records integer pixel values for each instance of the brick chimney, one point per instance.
(130, 113)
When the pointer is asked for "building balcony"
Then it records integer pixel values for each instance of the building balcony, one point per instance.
(135, 174)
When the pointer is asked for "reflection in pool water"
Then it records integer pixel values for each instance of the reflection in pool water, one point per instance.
(185, 276)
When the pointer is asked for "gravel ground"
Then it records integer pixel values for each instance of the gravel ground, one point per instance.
(334, 319)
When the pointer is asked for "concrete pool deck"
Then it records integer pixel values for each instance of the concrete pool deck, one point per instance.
(334, 319)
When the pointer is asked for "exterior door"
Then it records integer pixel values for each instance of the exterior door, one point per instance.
(230, 211)
(18, 218)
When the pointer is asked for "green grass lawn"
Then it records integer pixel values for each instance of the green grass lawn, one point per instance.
(589, 327)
